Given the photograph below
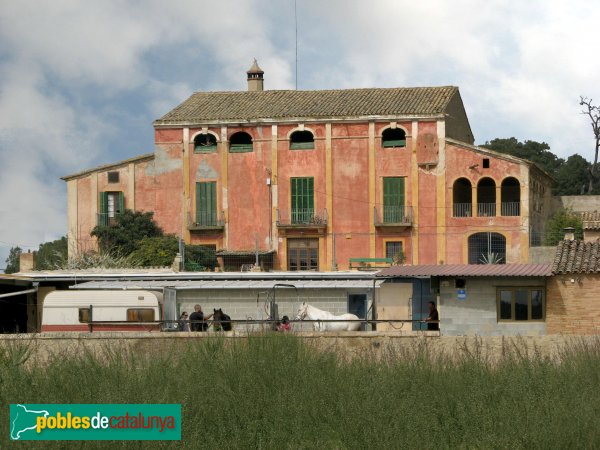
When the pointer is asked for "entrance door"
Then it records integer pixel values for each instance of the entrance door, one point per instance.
(357, 304)
(421, 297)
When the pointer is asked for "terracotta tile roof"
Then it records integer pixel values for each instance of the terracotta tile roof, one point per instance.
(204, 107)
(469, 270)
(577, 257)
(147, 156)
(590, 219)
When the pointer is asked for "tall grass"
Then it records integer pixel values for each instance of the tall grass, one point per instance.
(275, 391)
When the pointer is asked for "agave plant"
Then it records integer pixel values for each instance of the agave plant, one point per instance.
(491, 258)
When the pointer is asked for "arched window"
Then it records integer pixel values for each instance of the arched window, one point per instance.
(302, 140)
(486, 197)
(487, 248)
(462, 203)
(240, 142)
(510, 196)
(205, 143)
(393, 137)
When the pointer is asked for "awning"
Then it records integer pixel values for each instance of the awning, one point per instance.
(468, 270)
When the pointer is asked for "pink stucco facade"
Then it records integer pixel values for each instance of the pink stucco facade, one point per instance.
(348, 165)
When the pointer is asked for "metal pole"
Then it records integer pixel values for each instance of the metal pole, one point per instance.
(256, 245)
(333, 261)
(12, 294)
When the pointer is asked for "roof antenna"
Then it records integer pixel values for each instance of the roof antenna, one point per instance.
(296, 23)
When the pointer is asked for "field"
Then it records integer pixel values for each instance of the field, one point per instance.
(276, 391)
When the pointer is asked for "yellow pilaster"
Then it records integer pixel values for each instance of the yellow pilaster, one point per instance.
(186, 185)
(223, 149)
(414, 178)
(372, 187)
(94, 199)
(441, 193)
(498, 199)
(72, 218)
(329, 195)
(274, 198)
(131, 188)
(525, 181)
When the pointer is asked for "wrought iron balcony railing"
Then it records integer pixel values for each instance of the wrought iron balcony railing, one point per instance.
(107, 218)
(486, 209)
(511, 208)
(462, 210)
(394, 216)
(302, 217)
(203, 220)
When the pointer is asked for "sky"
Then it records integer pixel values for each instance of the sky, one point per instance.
(81, 82)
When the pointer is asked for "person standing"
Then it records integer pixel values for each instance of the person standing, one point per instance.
(198, 320)
(433, 318)
(183, 322)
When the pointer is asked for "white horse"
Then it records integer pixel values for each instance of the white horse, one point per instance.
(313, 313)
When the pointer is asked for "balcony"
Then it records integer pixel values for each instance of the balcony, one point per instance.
(486, 209)
(462, 210)
(206, 221)
(302, 218)
(107, 219)
(394, 217)
(511, 208)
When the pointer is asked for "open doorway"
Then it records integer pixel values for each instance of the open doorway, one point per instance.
(421, 297)
(13, 314)
(357, 304)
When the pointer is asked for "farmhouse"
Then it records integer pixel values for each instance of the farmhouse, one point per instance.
(322, 180)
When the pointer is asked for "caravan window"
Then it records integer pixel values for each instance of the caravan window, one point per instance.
(84, 315)
(140, 315)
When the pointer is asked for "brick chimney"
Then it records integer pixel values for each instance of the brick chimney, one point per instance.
(569, 234)
(26, 262)
(255, 78)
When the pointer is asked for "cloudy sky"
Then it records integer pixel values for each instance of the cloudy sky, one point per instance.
(81, 82)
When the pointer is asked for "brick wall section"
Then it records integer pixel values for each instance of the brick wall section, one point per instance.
(573, 308)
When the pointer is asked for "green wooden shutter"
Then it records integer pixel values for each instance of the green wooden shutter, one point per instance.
(103, 210)
(206, 203)
(393, 199)
(303, 202)
(120, 203)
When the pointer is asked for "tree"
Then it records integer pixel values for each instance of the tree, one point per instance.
(129, 228)
(536, 152)
(13, 261)
(156, 251)
(51, 255)
(573, 176)
(555, 227)
(593, 112)
(200, 258)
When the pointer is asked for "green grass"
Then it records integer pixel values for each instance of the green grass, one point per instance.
(274, 391)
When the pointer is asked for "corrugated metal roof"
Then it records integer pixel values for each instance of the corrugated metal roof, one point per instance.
(251, 105)
(469, 270)
(168, 274)
(229, 284)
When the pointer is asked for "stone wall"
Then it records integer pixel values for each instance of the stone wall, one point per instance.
(346, 345)
(578, 203)
(541, 255)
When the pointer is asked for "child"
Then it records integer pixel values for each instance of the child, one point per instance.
(284, 325)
